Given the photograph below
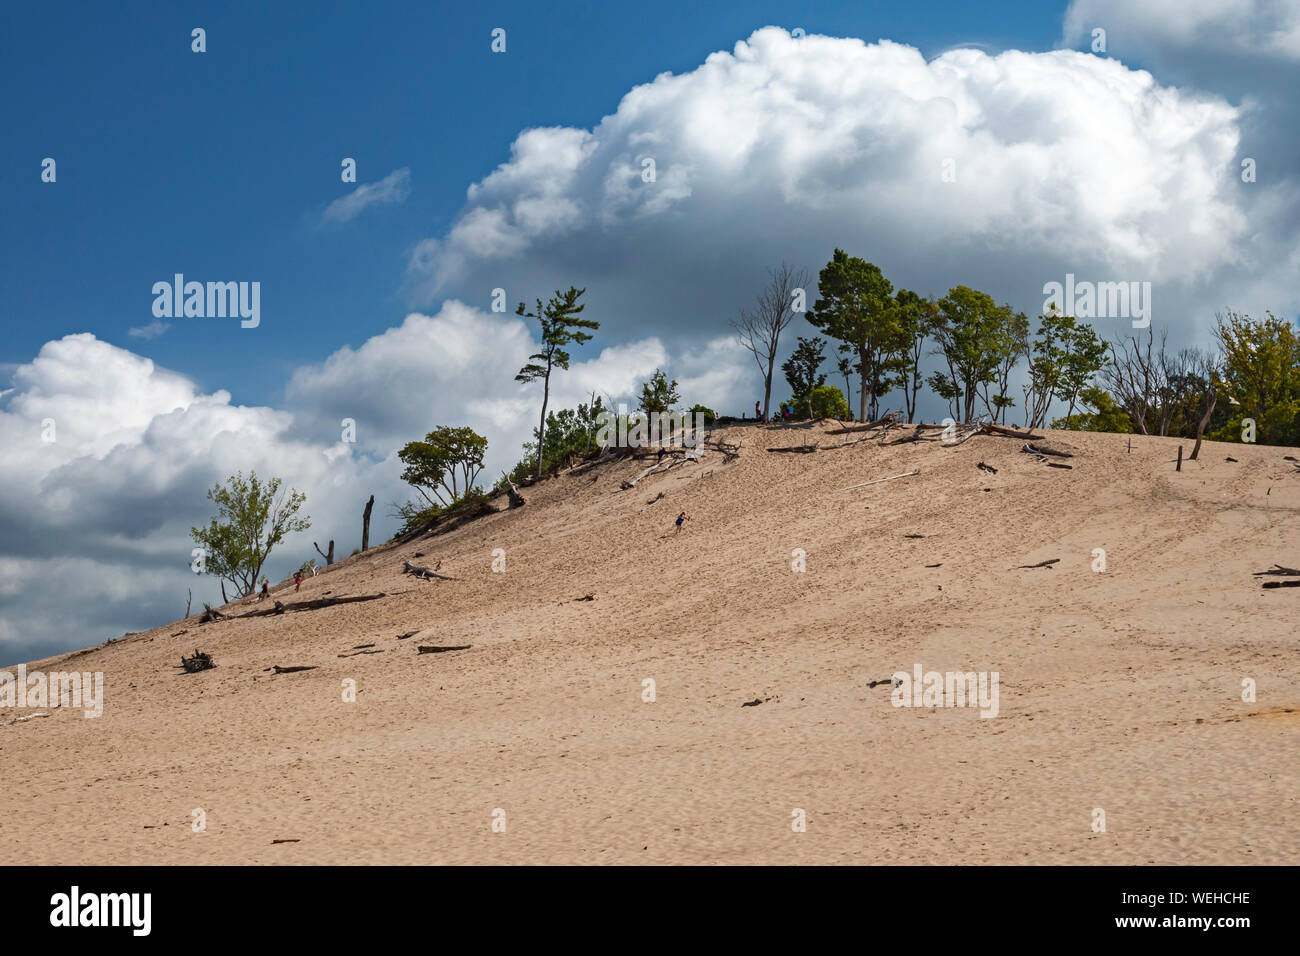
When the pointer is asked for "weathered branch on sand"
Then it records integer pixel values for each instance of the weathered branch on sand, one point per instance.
(992, 429)
(1279, 571)
(876, 481)
(441, 649)
(314, 605)
(798, 449)
(915, 436)
(891, 417)
(419, 572)
(660, 467)
(293, 669)
(1041, 564)
(1044, 450)
(730, 450)
(199, 662)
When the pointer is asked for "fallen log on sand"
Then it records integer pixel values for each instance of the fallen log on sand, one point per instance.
(442, 649)
(1041, 564)
(1044, 450)
(419, 572)
(798, 449)
(1008, 432)
(293, 669)
(313, 605)
(1280, 571)
(730, 450)
(199, 662)
(915, 436)
(660, 467)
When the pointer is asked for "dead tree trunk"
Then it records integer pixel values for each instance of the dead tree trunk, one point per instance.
(329, 558)
(516, 499)
(1205, 420)
(365, 524)
(189, 596)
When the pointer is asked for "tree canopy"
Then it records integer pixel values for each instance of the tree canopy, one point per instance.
(253, 516)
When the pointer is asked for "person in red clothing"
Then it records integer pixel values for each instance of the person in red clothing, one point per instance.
(297, 579)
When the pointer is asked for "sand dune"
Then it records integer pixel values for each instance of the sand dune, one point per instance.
(1118, 690)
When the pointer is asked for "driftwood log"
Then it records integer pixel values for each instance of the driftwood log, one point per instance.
(419, 572)
(1041, 564)
(1045, 451)
(1280, 571)
(730, 450)
(516, 499)
(314, 605)
(442, 649)
(199, 662)
(798, 449)
(293, 669)
(659, 467)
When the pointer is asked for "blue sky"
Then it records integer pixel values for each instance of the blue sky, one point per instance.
(218, 165)
(522, 171)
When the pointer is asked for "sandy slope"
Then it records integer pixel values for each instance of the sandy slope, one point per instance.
(1119, 690)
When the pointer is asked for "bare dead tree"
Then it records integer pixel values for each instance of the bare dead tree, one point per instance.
(1205, 366)
(760, 329)
(365, 524)
(1135, 375)
(329, 558)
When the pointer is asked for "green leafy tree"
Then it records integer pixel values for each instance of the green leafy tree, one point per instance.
(568, 432)
(253, 517)
(970, 331)
(659, 394)
(856, 307)
(710, 416)
(443, 467)
(915, 316)
(562, 326)
(1101, 413)
(1044, 357)
(1260, 375)
(823, 401)
(801, 369)
(1082, 356)
(1008, 342)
